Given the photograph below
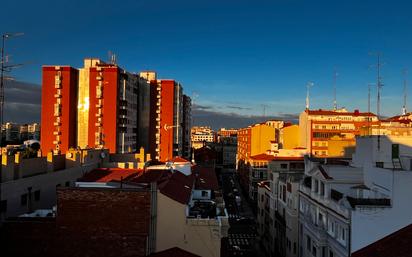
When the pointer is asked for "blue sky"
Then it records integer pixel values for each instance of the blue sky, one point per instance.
(235, 55)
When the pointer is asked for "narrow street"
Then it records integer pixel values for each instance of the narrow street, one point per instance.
(242, 233)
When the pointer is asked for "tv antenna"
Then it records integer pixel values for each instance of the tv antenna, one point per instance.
(405, 90)
(379, 83)
(264, 106)
(308, 86)
(335, 76)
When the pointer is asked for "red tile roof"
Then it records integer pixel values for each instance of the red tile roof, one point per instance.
(263, 156)
(174, 252)
(152, 175)
(109, 174)
(205, 178)
(396, 244)
(178, 187)
(329, 112)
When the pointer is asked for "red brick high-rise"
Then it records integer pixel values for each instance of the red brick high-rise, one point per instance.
(167, 117)
(98, 106)
(59, 108)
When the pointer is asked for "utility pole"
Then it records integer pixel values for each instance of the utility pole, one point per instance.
(405, 91)
(4, 68)
(308, 86)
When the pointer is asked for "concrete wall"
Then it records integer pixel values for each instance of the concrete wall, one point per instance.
(364, 220)
(174, 230)
(40, 177)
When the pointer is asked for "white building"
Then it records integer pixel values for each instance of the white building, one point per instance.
(278, 206)
(345, 207)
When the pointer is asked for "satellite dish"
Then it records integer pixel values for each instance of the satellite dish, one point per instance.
(102, 155)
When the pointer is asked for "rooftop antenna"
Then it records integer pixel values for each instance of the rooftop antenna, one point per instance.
(405, 91)
(379, 83)
(335, 75)
(369, 107)
(379, 86)
(264, 106)
(112, 57)
(308, 86)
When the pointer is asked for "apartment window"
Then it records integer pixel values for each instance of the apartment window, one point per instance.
(320, 219)
(314, 250)
(379, 164)
(294, 248)
(308, 243)
(284, 166)
(58, 185)
(322, 188)
(23, 200)
(204, 193)
(37, 195)
(67, 184)
(330, 253)
(316, 186)
(342, 234)
(3, 206)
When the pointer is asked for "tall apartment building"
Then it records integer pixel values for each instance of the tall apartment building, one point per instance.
(332, 133)
(186, 127)
(167, 117)
(59, 108)
(98, 106)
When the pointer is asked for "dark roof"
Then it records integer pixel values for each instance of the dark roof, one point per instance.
(324, 173)
(109, 174)
(205, 178)
(178, 187)
(174, 252)
(396, 244)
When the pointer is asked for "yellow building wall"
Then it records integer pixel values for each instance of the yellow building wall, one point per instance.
(174, 230)
(261, 135)
(341, 148)
(291, 137)
(304, 130)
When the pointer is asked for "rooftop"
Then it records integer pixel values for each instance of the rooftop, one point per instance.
(174, 252)
(396, 244)
(341, 113)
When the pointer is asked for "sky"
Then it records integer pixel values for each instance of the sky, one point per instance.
(237, 58)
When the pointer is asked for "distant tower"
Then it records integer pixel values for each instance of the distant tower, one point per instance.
(405, 92)
(308, 86)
